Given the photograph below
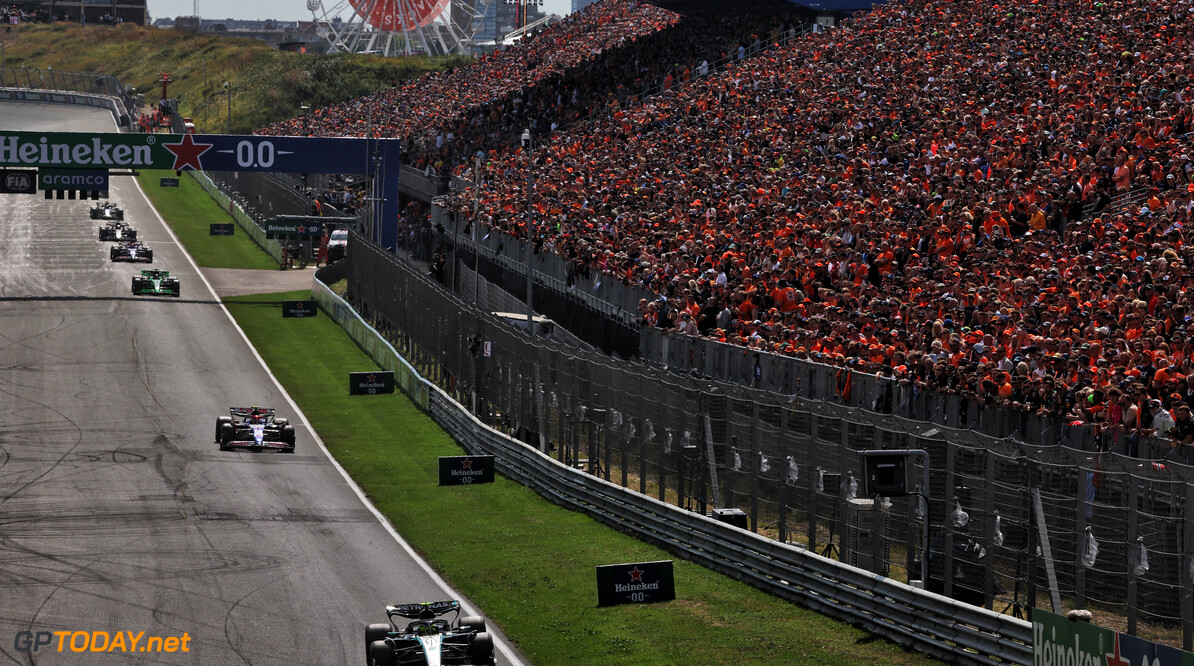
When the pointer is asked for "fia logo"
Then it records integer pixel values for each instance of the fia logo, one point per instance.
(16, 181)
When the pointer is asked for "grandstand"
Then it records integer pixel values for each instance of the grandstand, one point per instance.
(984, 200)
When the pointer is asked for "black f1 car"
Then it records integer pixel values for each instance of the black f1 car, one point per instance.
(156, 283)
(132, 251)
(117, 231)
(106, 211)
(254, 428)
(428, 640)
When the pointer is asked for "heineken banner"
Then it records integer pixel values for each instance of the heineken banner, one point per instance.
(1057, 641)
(635, 583)
(213, 152)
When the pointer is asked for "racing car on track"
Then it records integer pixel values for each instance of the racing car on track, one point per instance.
(428, 639)
(254, 428)
(107, 211)
(117, 231)
(156, 283)
(132, 251)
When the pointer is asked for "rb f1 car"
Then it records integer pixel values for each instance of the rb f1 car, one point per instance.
(117, 231)
(156, 283)
(429, 640)
(106, 211)
(254, 428)
(132, 251)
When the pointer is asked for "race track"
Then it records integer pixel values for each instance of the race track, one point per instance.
(117, 511)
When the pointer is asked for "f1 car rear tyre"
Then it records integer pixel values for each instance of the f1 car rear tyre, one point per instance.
(282, 422)
(380, 654)
(472, 623)
(374, 632)
(481, 648)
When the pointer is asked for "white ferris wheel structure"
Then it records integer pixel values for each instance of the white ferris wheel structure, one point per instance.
(400, 27)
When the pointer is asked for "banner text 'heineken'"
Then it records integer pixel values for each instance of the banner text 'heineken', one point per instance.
(212, 152)
(1059, 641)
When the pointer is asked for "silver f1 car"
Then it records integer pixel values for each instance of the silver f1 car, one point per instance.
(117, 231)
(132, 251)
(106, 211)
(429, 639)
(254, 428)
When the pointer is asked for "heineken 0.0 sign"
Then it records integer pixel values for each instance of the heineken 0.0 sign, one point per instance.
(635, 583)
(218, 152)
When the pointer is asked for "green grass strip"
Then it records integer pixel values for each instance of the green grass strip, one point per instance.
(191, 213)
(527, 562)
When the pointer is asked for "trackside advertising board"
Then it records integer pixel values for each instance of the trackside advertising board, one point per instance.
(635, 583)
(1057, 641)
(218, 152)
(370, 383)
(465, 470)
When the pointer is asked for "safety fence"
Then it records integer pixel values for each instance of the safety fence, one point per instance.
(239, 210)
(1012, 524)
(934, 624)
(32, 81)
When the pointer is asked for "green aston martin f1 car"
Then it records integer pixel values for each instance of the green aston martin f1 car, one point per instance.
(156, 283)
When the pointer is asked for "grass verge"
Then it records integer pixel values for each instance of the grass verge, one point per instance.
(527, 562)
(191, 211)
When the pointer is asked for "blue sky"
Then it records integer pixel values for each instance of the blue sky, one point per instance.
(281, 10)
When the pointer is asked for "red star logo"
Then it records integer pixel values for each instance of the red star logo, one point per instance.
(467, 463)
(187, 152)
(636, 574)
(372, 377)
(1117, 660)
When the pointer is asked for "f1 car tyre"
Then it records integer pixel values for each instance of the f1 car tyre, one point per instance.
(281, 422)
(287, 435)
(472, 623)
(220, 421)
(374, 632)
(481, 648)
(227, 432)
(380, 654)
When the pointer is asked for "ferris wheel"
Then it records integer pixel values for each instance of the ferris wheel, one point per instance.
(400, 27)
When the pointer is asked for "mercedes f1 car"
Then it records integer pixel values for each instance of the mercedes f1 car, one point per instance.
(428, 639)
(117, 231)
(106, 211)
(254, 428)
(156, 283)
(132, 251)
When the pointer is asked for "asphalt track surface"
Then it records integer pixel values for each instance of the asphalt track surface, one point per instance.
(118, 513)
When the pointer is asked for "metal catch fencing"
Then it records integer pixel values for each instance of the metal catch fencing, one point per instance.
(33, 79)
(1012, 525)
(953, 631)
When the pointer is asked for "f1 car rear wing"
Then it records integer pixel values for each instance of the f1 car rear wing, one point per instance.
(424, 611)
(242, 412)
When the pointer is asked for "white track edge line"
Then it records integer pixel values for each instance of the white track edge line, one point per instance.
(431, 573)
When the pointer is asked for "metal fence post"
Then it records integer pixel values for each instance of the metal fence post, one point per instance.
(782, 519)
(1133, 530)
(811, 496)
(947, 523)
(989, 514)
(1079, 538)
(755, 467)
(1186, 567)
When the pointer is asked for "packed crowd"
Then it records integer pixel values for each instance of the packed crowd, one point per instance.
(605, 54)
(927, 192)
